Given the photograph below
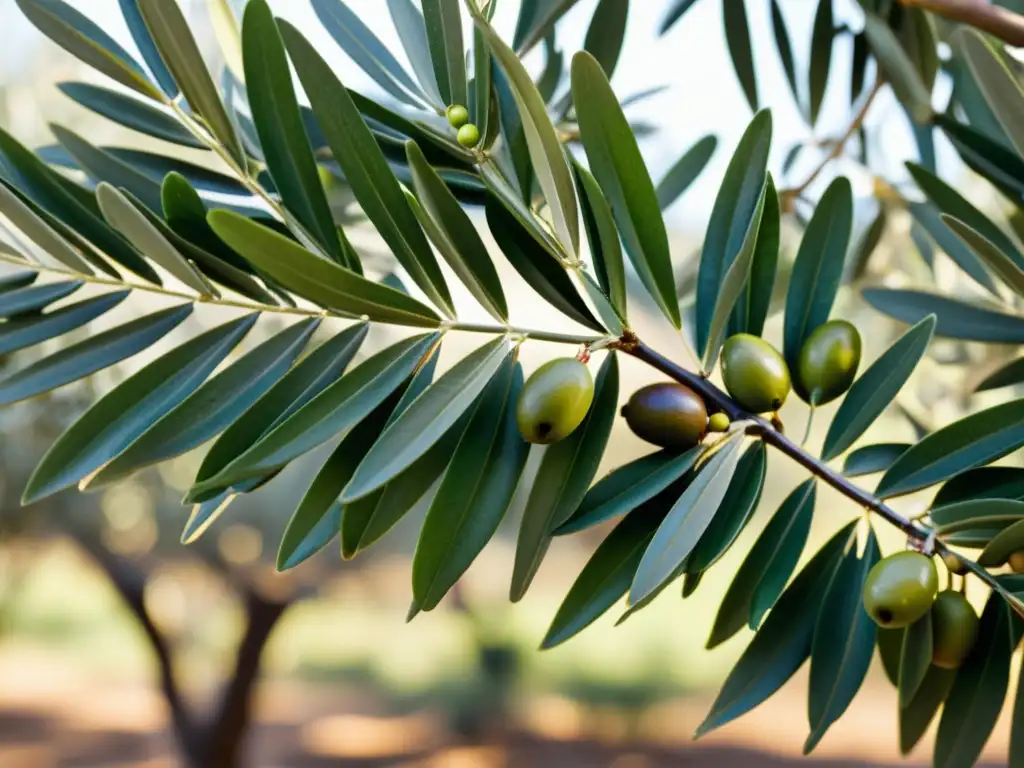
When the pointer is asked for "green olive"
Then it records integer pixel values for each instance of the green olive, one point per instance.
(468, 136)
(555, 401)
(755, 373)
(457, 115)
(900, 589)
(954, 563)
(667, 414)
(828, 362)
(1016, 562)
(718, 422)
(954, 629)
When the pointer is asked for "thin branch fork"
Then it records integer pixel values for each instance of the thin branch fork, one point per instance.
(980, 14)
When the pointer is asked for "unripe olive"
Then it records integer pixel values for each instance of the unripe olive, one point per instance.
(468, 136)
(954, 563)
(667, 414)
(554, 401)
(457, 115)
(755, 373)
(900, 589)
(828, 362)
(954, 629)
(718, 422)
(1016, 562)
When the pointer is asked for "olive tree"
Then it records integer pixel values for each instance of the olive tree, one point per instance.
(471, 130)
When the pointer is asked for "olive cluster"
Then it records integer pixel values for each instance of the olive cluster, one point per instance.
(458, 118)
(556, 399)
(902, 588)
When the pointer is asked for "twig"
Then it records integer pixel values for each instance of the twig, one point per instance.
(981, 14)
(766, 432)
(837, 148)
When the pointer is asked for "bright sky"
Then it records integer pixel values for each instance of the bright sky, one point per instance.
(703, 95)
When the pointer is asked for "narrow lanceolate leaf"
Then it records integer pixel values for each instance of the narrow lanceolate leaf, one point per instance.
(603, 237)
(93, 354)
(915, 658)
(317, 520)
(844, 642)
(283, 137)
(131, 113)
(178, 48)
(737, 35)
(214, 406)
(890, 648)
(784, 643)
(606, 33)
(549, 161)
(22, 332)
(873, 458)
(867, 244)
(412, 31)
(737, 508)
(12, 281)
(43, 186)
(476, 491)
(733, 285)
(1009, 375)
(537, 19)
(144, 42)
(447, 50)
(927, 217)
(36, 297)
(951, 202)
(466, 253)
(766, 569)
(785, 48)
(565, 473)
(104, 167)
(367, 51)
(976, 699)
(41, 233)
(1004, 544)
(428, 418)
(185, 213)
(310, 376)
(626, 488)
(123, 216)
(738, 199)
(365, 168)
(606, 577)
(983, 483)
(954, 319)
(364, 521)
(685, 171)
(675, 12)
(822, 35)
(1001, 88)
(985, 155)
(315, 278)
(976, 513)
(754, 304)
(899, 70)
(536, 266)
(997, 260)
(334, 411)
(124, 413)
(82, 38)
(916, 716)
(974, 441)
(877, 387)
(687, 521)
(618, 166)
(818, 268)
